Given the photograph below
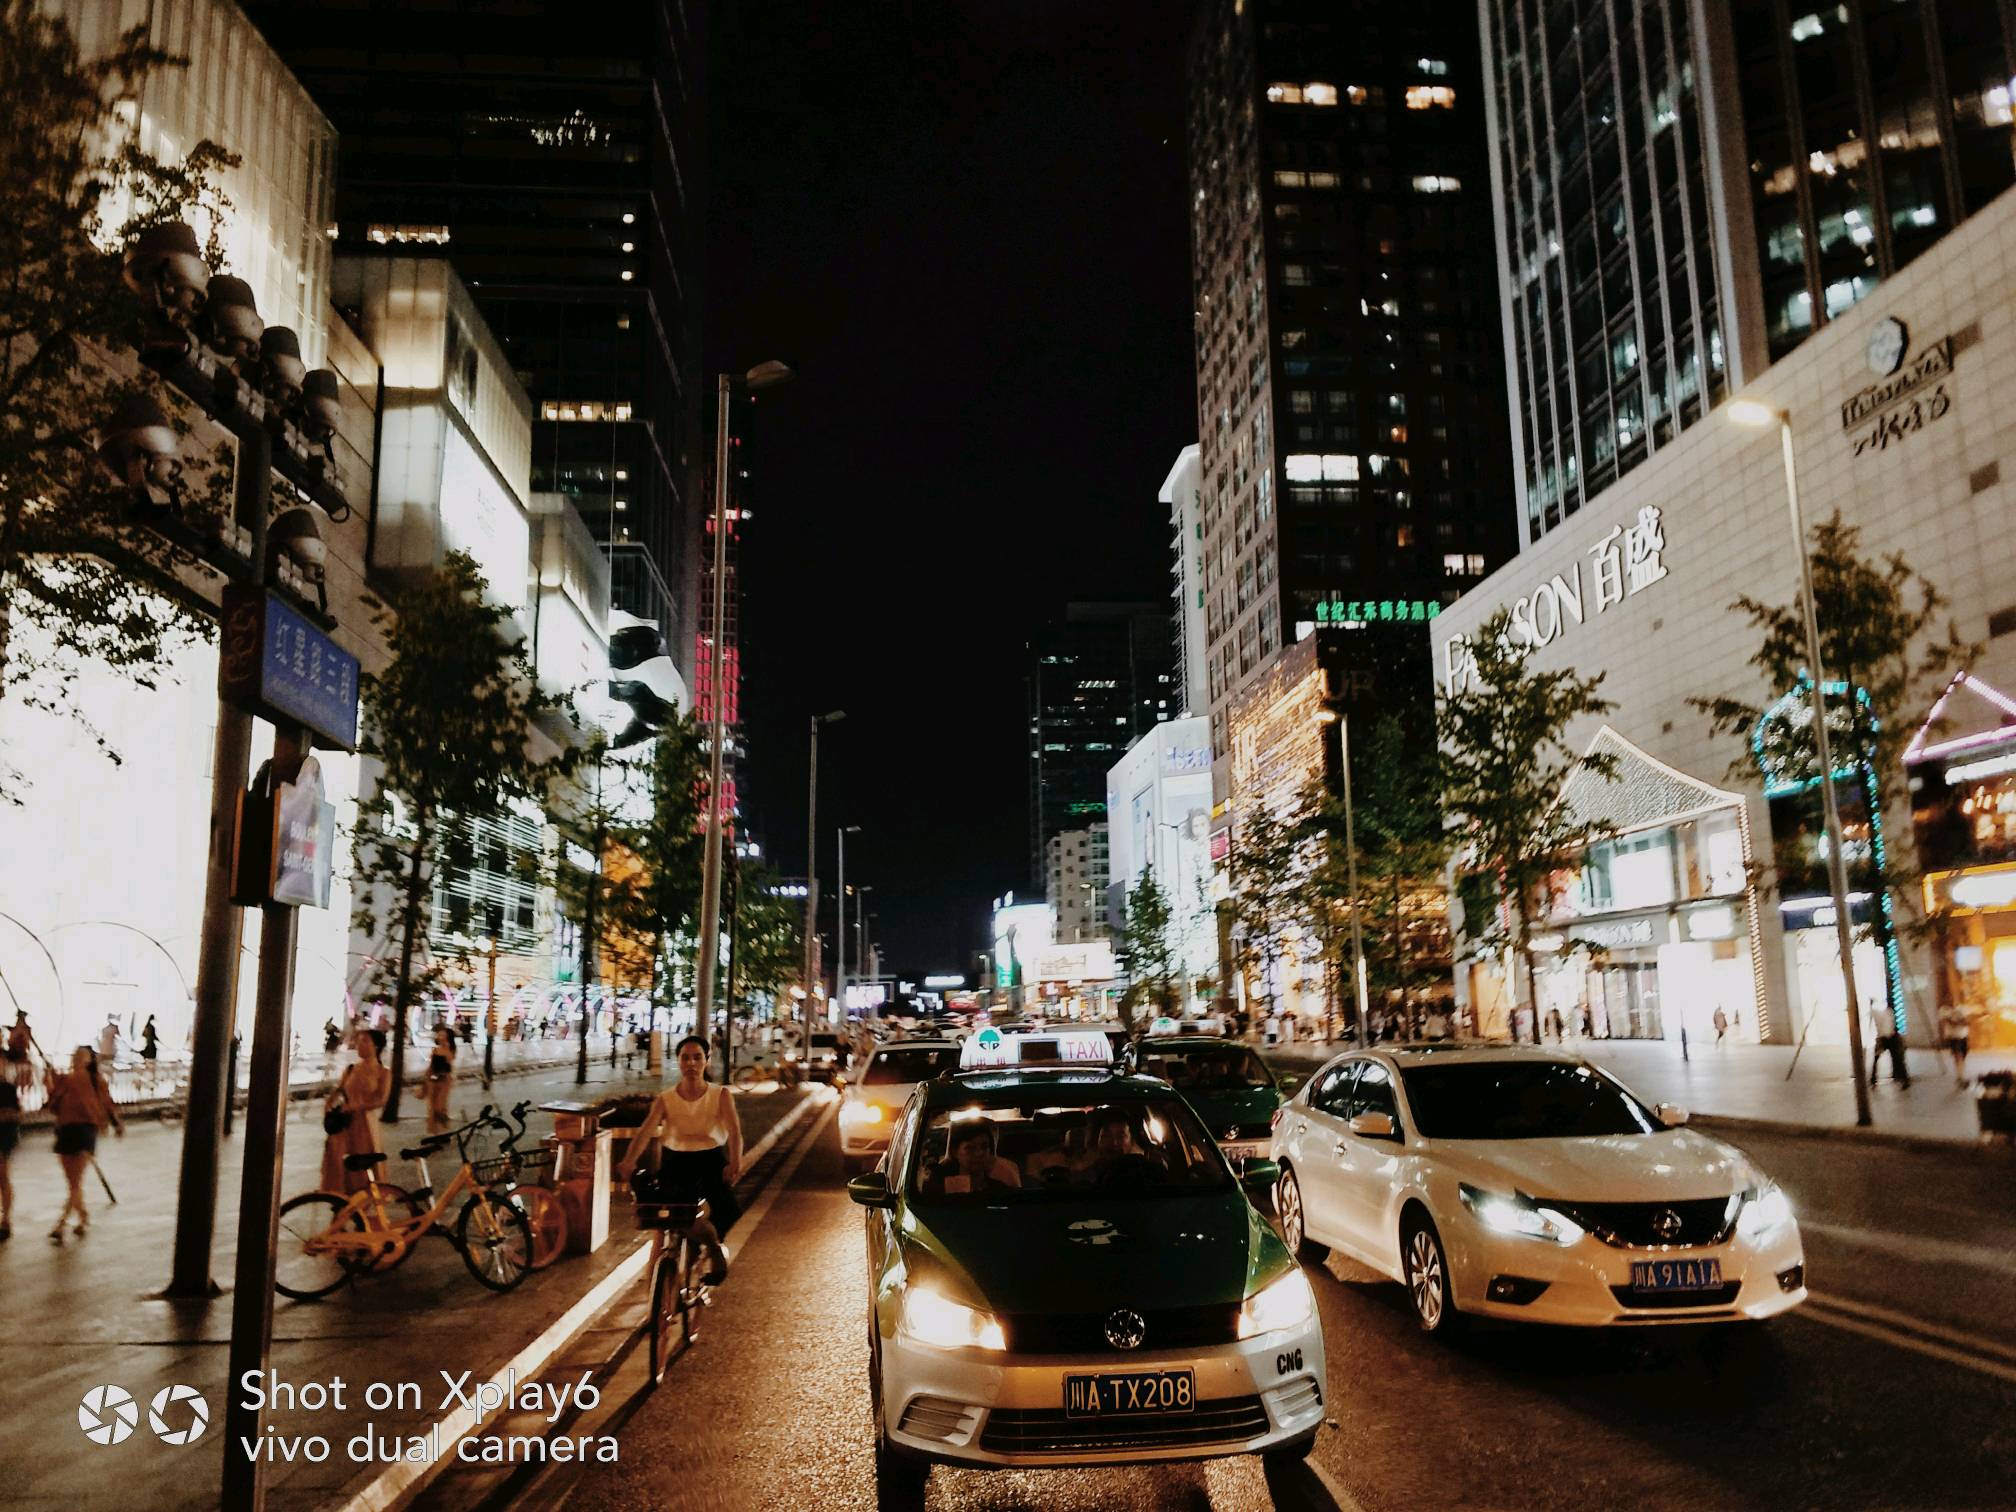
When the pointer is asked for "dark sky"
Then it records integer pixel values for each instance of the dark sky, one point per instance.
(963, 223)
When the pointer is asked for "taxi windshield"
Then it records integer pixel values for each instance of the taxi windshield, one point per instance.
(911, 1064)
(1205, 1068)
(1038, 1154)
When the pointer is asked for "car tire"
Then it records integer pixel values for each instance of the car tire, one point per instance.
(1424, 1270)
(1288, 1214)
(899, 1480)
(1290, 1454)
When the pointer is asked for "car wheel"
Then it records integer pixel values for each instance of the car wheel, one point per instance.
(1425, 1268)
(1288, 1211)
(1289, 1454)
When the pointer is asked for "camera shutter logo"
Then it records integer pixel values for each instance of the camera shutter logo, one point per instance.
(194, 1422)
(108, 1414)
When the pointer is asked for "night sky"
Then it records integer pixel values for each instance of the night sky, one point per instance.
(963, 222)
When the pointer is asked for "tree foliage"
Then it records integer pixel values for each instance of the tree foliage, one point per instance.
(1154, 958)
(1504, 766)
(1404, 846)
(769, 936)
(79, 580)
(1265, 870)
(1883, 634)
(448, 721)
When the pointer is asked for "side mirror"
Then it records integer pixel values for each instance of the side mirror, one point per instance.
(1290, 1082)
(1670, 1114)
(871, 1191)
(1258, 1172)
(1375, 1126)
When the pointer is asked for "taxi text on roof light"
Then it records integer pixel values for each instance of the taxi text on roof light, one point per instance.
(990, 1047)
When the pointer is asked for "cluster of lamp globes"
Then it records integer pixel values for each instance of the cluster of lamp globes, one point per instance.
(212, 323)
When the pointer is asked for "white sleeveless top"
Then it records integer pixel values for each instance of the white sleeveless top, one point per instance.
(696, 1125)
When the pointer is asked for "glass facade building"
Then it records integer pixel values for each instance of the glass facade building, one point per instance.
(1686, 189)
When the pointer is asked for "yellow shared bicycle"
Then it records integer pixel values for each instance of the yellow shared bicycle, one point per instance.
(328, 1239)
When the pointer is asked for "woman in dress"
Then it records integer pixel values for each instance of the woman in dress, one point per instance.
(703, 1149)
(80, 1104)
(361, 1093)
(440, 1080)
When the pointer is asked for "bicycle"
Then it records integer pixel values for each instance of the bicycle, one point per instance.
(679, 1285)
(328, 1239)
(544, 1212)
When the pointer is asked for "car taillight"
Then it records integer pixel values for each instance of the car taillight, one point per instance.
(1275, 1121)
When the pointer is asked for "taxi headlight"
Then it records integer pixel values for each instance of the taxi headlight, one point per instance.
(1766, 1210)
(1286, 1303)
(1520, 1215)
(931, 1317)
(854, 1113)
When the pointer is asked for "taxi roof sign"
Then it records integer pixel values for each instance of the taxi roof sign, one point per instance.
(1043, 1047)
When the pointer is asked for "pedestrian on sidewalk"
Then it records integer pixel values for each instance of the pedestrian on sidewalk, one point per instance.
(10, 1135)
(346, 1113)
(1954, 1026)
(108, 1042)
(1721, 1026)
(150, 1048)
(81, 1105)
(703, 1150)
(19, 1038)
(440, 1080)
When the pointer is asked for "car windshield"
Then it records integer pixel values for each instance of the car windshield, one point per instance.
(911, 1065)
(1045, 1154)
(1520, 1100)
(1205, 1068)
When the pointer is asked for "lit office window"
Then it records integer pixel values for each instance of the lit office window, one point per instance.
(1430, 97)
(1436, 183)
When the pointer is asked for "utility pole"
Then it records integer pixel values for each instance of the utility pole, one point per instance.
(812, 867)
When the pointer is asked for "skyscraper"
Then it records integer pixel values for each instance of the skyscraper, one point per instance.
(1686, 191)
(1355, 465)
(1098, 676)
(1180, 492)
(557, 163)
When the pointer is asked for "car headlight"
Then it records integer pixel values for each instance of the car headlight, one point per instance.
(1520, 1215)
(931, 1317)
(1286, 1303)
(854, 1113)
(1766, 1210)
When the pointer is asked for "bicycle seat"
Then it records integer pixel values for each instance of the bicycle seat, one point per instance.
(426, 1147)
(363, 1161)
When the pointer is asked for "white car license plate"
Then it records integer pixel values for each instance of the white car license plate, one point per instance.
(1135, 1391)
(1244, 1149)
(1675, 1275)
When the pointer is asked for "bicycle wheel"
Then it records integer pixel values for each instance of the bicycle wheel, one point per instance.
(748, 1076)
(665, 1279)
(546, 1215)
(297, 1273)
(496, 1242)
(692, 1289)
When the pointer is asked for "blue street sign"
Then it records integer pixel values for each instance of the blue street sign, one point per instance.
(277, 663)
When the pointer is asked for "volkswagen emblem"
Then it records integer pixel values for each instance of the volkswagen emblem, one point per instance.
(1667, 1225)
(1125, 1329)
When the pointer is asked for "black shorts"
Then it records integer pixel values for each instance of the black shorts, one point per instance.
(684, 1175)
(10, 1136)
(76, 1139)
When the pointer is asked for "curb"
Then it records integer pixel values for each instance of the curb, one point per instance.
(397, 1485)
(1896, 1139)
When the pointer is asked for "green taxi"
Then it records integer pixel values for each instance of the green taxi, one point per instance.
(1065, 1271)
(1228, 1086)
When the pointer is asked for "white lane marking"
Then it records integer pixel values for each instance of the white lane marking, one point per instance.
(1850, 1324)
(778, 1182)
(1944, 1251)
(1909, 1324)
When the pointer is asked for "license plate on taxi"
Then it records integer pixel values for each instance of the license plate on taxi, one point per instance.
(1244, 1149)
(1675, 1275)
(1130, 1392)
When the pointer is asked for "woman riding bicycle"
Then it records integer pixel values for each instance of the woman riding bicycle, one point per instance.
(703, 1150)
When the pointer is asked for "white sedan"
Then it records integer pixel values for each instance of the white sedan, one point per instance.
(872, 1101)
(1528, 1184)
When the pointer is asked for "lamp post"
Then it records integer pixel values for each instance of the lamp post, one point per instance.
(1343, 722)
(840, 935)
(833, 716)
(489, 944)
(1757, 415)
(861, 971)
(764, 375)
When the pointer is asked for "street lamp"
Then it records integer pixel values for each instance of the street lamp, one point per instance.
(764, 375)
(833, 716)
(1339, 718)
(840, 937)
(1756, 415)
(488, 945)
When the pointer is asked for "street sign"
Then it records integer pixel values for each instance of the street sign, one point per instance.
(274, 662)
(286, 845)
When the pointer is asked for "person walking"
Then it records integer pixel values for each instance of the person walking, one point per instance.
(80, 1103)
(10, 1135)
(703, 1150)
(19, 1039)
(1955, 1024)
(1721, 1022)
(108, 1042)
(150, 1048)
(346, 1113)
(440, 1080)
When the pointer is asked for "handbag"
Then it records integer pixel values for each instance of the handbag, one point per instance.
(335, 1120)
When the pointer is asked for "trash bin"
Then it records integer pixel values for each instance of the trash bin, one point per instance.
(582, 1173)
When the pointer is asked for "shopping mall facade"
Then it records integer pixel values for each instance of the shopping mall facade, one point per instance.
(1900, 414)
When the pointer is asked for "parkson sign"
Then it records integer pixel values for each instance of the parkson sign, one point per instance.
(1626, 561)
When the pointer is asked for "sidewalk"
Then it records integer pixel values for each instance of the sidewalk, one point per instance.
(1750, 1083)
(78, 1316)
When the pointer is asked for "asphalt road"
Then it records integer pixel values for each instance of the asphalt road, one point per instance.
(1897, 1389)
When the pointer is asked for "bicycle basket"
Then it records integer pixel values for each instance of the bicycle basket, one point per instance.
(540, 1159)
(496, 1168)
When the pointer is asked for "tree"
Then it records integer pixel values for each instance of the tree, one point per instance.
(1887, 657)
(448, 721)
(659, 904)
(768, 940)
(1154, 962)
(1403, 856)
(1264, 870)
(1505, 766)
(80, 581)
